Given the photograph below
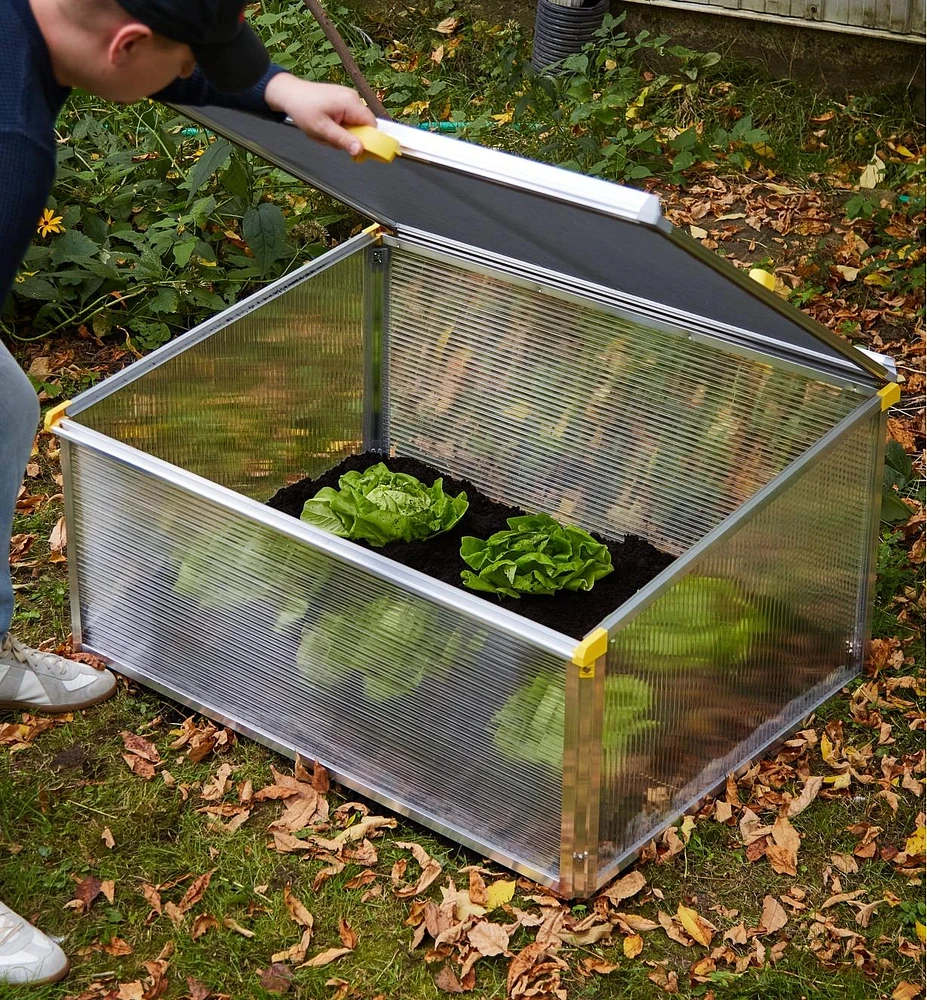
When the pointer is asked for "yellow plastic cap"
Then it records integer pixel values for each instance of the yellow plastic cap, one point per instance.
(54, 415)
(766, 279)
(377, 145)
(589, 650)
(891, 394)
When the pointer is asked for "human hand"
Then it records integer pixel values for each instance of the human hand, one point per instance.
(321, 110)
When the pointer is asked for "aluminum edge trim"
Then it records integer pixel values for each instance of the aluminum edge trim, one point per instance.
(614, 867)
(518, 172)
(662, 318)
(73, 544)
(290, 751)
(411, 580)
(868, 584)
(216, 323)
(768, 298)
(649, 593)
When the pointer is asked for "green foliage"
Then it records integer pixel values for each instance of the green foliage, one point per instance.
(537, 555)
(153, 226)
(898, 480)
(392, 646)
(380, 506)
(529, 727)
(702, 621)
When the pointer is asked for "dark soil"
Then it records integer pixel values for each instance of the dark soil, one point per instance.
(636, 562)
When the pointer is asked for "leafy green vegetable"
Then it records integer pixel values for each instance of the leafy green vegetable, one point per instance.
(529, 727)
(702, 621)
(537, 555)
(380, 506)
(393, 645)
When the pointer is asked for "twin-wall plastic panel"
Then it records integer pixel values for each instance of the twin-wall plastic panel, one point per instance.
(556, 406)
(757, 633)
(394, 693)
(266, 400)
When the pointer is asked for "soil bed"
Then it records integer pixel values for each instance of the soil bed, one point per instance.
(636, 562)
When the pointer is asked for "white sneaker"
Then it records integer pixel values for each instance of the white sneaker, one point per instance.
(26, 954)
(45, 682)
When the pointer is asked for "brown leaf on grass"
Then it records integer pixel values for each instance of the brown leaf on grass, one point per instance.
(845, 863)
(195, 892)
(808, 795)
(296, 910)
(489, 939)
(478, 892)
(667, 981)
(774, 916)
(140, 747)
(347, 934)
(369, 826)
(277, 979)
(234, 925)
(300, 812)
(625, 887)
(674, 929)
(196, 990)
(326, 957)
(173, 913)
(138, 765)
(58, 539)
(153, 897)
(431, 870)
(446, 981)
(108, 889)
(907, 991)
(107, 837)
(202, 924)
(87, 891)
(118, 948)
(359, 881)
(723, 811)
(697, 927)
(783, 851)
(751, 827)
(632, 946)
(634, 923)
(736, 935)
(523, 963)
(220, 784)
(295, 953)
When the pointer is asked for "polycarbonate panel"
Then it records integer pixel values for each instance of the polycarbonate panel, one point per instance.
(760, 630)
(555, 406)
(397, 695)
(266, 400)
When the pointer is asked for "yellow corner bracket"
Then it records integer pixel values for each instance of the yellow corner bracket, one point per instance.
(377, 145)
(890, 394)
(590, 649)
(55, 415)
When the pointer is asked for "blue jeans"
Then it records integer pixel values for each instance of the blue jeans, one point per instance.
(19, 419)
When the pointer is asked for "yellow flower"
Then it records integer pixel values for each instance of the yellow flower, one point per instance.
(50, 223)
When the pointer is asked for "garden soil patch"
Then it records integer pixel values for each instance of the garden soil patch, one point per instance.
(636, 562)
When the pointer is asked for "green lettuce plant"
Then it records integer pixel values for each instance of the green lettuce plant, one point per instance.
(529, 727)
(392, 645)
(702, 621)
(380, 506)
(537, 555)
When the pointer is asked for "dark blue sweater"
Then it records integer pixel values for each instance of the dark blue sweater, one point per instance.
(30, 99)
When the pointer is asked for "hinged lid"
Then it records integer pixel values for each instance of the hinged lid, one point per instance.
(551, 218)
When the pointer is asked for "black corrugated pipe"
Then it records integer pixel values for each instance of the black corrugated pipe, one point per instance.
(563, 27)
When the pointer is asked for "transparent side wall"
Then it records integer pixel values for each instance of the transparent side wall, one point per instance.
(757, 633)
(411, 703)
(272, 397)
(559, 407)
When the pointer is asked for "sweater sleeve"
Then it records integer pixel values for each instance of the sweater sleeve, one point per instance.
(196, 90)
(26, 174)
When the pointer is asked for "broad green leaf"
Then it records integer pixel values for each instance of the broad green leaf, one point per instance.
(73, 244)
(213, 159)
(183, 251)
(264, 230)
(165, 300)
(35, 288)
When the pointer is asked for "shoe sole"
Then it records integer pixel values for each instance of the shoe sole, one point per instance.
(59, 709)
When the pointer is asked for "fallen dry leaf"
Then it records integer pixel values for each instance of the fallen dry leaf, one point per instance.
(277, 979)
(489, 939)
(326, 957)
(625, 887)
(234, 925)
(774, 916)
(696, 926)
(632, 945)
